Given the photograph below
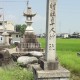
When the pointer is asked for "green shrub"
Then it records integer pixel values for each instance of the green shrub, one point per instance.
(15, 73)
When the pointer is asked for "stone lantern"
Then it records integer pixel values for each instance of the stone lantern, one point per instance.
(6, 38)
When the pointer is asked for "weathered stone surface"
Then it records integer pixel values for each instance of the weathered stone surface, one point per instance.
(51, 31)
(59, 74)
(18, 54)
(36, 53)
(5, 57)
(5, 53)
(30, 66)
(48, 65)
(24, 60)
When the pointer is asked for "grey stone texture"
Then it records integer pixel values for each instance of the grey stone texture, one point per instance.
(25, 60)
(50, 62)
(51, 31)
(59, 74)
(36, 54)
(48, 65)
(5, 57)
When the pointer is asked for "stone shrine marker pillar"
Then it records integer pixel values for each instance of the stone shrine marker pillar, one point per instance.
(49, 68)
(50, 61)
(51, 31)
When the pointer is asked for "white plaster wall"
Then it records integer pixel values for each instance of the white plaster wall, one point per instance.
(1, 40)
(1, 27)
(65, 35)
(15, 39)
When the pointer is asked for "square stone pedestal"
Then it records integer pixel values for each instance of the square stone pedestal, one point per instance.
(59, 74)
(48, 65)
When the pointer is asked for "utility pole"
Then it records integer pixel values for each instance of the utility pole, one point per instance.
(3, 18)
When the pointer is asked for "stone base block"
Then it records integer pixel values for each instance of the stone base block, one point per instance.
(31, 49)
(30, 66)
(48, 65)
(59, 74)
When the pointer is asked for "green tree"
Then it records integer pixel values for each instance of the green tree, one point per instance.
(20, 28)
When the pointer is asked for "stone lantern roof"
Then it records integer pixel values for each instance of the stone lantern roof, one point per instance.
(29, 12)
(5, 33)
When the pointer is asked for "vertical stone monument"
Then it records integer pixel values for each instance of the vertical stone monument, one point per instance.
(50, 62)
(49, 66)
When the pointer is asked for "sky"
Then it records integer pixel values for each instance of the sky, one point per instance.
(67, 20)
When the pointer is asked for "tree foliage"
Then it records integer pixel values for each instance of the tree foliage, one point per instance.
(20, 28)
